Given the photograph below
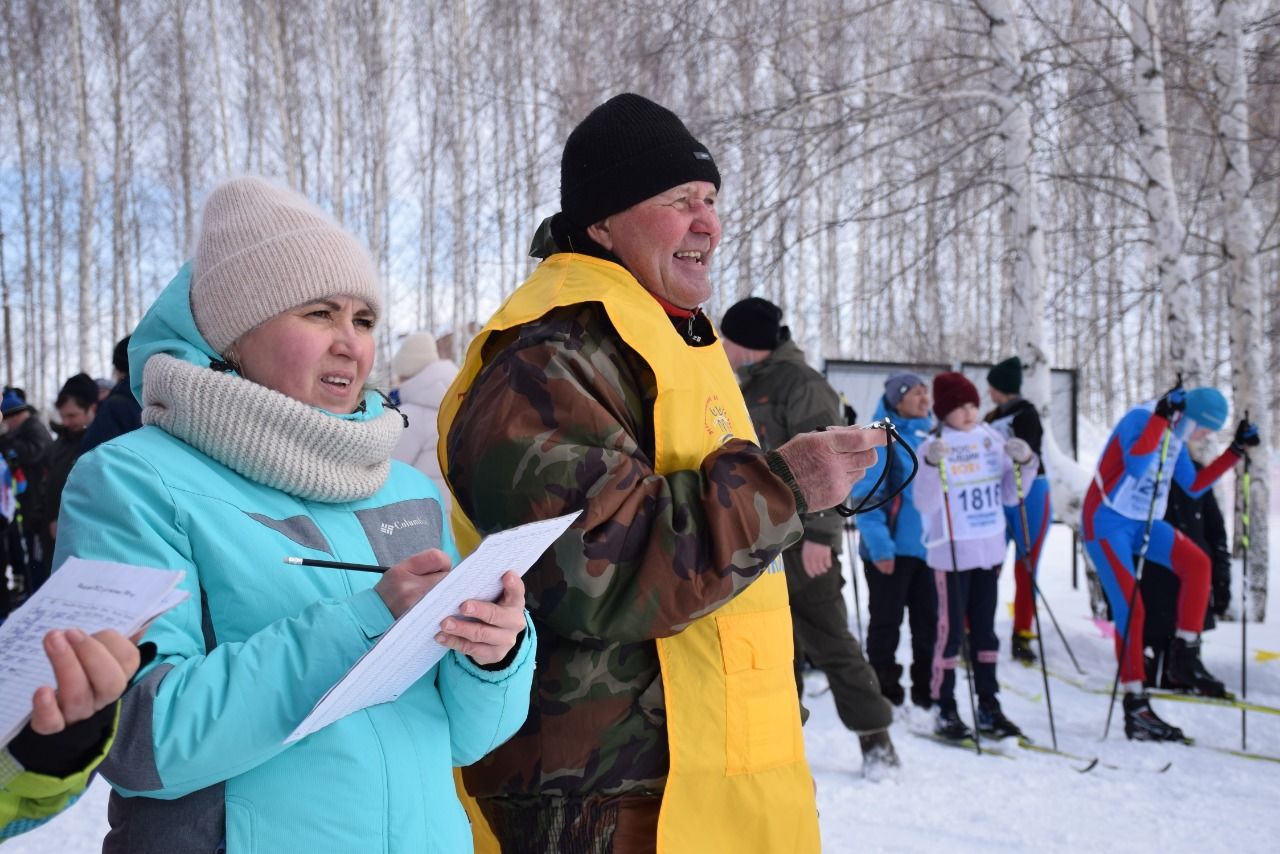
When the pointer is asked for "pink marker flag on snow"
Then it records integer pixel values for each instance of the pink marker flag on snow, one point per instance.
(1105, 628)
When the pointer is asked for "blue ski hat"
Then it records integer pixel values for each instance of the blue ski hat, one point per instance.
(13, 402)
(1207, 407)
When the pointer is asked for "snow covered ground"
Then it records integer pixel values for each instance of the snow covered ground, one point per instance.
(951, 800)
(944, 797)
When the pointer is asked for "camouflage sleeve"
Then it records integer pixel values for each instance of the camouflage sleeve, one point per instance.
(812, 404)
(560, 419)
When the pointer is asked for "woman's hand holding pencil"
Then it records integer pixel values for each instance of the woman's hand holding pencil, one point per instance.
(404, 584)
(484, 631)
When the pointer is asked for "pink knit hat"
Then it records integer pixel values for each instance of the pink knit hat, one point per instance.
(263, 249)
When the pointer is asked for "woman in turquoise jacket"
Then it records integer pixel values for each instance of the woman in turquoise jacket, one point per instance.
(259, 442)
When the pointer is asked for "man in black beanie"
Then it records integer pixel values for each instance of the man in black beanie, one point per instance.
(664, 683)
(786, 397)
(119, 412)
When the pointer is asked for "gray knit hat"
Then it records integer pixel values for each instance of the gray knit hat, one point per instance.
(897, 386)
(263, 249)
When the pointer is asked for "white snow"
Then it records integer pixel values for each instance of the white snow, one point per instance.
(946, 799)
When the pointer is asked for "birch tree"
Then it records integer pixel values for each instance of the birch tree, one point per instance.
(88, 188)
(896, 173)
(1240, 239)
(1183, 345)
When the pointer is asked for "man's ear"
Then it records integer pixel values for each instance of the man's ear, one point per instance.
(600, 234)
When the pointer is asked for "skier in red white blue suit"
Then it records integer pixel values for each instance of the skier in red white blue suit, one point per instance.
(1131, 486)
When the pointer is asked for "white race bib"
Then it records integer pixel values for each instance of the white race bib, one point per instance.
(974, 472)
(1133, 497)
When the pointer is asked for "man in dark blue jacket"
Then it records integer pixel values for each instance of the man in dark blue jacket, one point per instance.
(120, 412)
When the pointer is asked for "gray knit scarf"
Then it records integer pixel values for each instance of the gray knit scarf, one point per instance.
(267, 436)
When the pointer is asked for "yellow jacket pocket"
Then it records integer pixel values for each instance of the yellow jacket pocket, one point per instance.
(763, 725)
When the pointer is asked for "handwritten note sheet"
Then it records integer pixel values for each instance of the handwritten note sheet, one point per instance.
(83, 594)
(408, 649)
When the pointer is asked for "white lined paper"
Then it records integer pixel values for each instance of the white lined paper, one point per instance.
(408, 649)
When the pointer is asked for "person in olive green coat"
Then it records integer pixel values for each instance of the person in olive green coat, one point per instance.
(786, 397)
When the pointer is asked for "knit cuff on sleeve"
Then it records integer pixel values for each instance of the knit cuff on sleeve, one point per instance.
(779, 467)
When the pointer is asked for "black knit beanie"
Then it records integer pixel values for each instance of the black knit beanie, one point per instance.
(1006, 376)
(627, 150)
(120, 355)
(754, 323)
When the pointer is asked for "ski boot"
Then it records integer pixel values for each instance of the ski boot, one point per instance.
(1020, 646)
(1142, 724)
(992, 722)
(879, 759)
(1184, 671)
(948, 724)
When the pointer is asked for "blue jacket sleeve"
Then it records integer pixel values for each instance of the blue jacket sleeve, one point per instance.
(1141, 434)
(1184, 472)
(486, 707)
(874, 525)
(198, 717)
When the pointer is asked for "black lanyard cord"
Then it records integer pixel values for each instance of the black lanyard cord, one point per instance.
(890, 434)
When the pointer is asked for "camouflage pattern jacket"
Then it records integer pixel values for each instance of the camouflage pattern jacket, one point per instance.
(561, 418)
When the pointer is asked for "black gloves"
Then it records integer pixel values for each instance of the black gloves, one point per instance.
(1246, 437)
(1174, 400)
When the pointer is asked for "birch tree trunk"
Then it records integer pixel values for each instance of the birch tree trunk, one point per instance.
(113, 24)
(185, 131)
(219, 89)
(280, 45)
(1025, 239)
(88, 190)
(337, 118)
(20, 136)
(1240, 239)
(1182, 345)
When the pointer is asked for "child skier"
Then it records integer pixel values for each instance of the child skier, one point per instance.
(1130, 487)
(1016, 417)
(967, 479)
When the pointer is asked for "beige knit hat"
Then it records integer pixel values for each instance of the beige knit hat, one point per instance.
(263, 249)
(417, 351)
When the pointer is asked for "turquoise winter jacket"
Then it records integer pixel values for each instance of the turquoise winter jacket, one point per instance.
(896, 528)
(199, 763)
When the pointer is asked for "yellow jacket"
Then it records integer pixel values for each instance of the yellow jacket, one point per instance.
(738, 779)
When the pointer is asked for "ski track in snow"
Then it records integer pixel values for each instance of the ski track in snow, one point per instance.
(948, 799)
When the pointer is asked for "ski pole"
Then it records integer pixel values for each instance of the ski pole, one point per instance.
(964, 631)
(1035, 610)
(1244, 601)
(853, 573)
(1057, 628)
(1137, 577)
